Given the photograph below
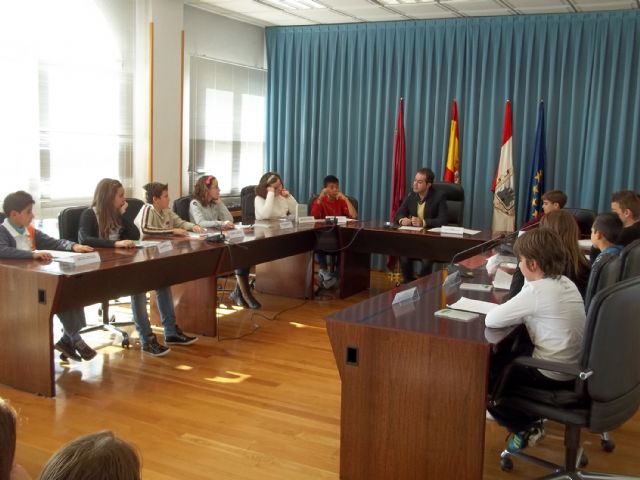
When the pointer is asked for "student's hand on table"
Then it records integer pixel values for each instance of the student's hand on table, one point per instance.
(198, 229)
(405, 221)
(124, 207)
(82, 248)
(44, 256)
(181, 231)
(417, 222)
(124, 244)
(227, 225)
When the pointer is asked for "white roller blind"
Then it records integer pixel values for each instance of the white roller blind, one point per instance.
(227, 122)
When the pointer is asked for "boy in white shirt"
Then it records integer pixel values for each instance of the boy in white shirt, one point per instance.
(551, 309)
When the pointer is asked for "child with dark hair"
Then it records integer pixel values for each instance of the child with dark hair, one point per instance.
(331, 202)
(97, 456)
(552, 311)
(155, 217)
(605, 231)
(19, 239)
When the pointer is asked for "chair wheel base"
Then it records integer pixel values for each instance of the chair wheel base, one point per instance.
(506, 464)
(608, 445)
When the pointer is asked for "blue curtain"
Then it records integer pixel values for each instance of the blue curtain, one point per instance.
(333, 94)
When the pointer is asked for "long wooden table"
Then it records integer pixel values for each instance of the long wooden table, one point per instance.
(32, 292)
(414, 387)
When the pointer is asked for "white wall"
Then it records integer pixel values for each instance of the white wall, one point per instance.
(206, 34)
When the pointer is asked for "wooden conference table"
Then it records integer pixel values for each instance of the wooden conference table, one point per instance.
(32, 292)
(414, 386)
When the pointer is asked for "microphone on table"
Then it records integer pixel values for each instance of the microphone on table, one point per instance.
(456, 270)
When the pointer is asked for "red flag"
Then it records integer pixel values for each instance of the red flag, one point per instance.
(398, 185)
(504, 188)
(452, 167)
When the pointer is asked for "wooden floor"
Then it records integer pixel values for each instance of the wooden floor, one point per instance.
(266, 406)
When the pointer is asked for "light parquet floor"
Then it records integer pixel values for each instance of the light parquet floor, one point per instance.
(263, 407)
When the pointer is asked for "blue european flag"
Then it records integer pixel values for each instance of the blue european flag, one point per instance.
(536, 189)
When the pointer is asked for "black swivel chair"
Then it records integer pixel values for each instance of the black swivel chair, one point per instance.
(2, 217)
(604, 273)
(247, 205)
(181, 207)
(454, 193)
(607, 385)
(585, 219)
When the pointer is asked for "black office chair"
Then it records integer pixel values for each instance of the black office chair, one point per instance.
(2, 217)
(585, 219)
(604, 273)
(135, 205)
(181, 207)
(247, 205)
(630, 259)
(607, 385)
(68, 226)
(454, 193)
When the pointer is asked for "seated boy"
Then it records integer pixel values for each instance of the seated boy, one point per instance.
(552, 200)
(605, 232)
(19, 239)
(331, 203)
(551, 309)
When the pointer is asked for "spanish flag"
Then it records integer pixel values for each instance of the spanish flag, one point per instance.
(452, 168)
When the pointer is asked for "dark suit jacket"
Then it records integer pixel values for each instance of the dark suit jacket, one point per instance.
(435, 210)
(629, 234)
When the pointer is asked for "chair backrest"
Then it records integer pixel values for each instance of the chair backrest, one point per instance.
(181, 207)
(610, 350)
(69, 222)
(454, 193)
(135, 205)
(2, 217)
(604, 273)
(630, 259)
(247, 205)
(584, 218)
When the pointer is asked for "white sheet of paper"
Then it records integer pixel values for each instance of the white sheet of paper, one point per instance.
(469, 305)
(502, 280)
(467, 231)
(409, 227)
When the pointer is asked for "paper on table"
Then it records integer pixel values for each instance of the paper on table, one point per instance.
(61, 256)
(467, 231)
(408, 227)
(146, 243)
(469, 305)
(585, 243)
(502, 280)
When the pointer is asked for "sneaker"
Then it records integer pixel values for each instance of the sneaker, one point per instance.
(324, 275)
(153, 348)
(67, 350)
(179, 338)
(535, 434)
(517, 441)
(330, 283)
(86, 352)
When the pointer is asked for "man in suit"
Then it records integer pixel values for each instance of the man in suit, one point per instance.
(424, 207)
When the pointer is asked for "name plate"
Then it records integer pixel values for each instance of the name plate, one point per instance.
(408, 295)
(307, 219)
(286, 225)
(236, 233)
(165, 246)
(81, 259)
(451, 230)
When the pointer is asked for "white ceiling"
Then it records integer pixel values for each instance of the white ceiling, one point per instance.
(264, 13)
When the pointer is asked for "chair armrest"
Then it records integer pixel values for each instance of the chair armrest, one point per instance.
(568, 368)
